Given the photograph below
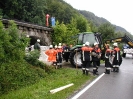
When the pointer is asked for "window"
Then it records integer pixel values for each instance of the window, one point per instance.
(90, 37)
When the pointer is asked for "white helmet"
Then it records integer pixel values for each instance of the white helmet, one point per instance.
(51, 46)
(95, 43)
(115, 44)
(87, 43)
(55, 46)
(38, 40)
(59, 46)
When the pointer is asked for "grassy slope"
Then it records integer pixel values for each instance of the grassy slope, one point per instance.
(57, 79)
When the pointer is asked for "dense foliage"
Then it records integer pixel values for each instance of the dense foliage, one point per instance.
(15, 72)
(107, 31)
(98, 21)
(29, 11)
(35, 11)
(12, 45)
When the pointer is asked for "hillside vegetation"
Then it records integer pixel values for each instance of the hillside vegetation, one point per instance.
(15, 70)
(35, 11)
(97, 21)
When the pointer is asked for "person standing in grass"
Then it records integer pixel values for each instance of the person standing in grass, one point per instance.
(51, 53)
(37, 45)
(59, 56)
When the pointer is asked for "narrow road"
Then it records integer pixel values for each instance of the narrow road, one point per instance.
(111, 86)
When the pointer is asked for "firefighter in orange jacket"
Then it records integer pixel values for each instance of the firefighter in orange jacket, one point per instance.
(56, 50)
(96, 54)
(59, 56)
(108, 59)
(51, 53)
(86, 58)
(117, 59)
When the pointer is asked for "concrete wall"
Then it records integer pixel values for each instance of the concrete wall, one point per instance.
(34, 31)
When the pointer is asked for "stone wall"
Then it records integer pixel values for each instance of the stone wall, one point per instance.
(34, 31)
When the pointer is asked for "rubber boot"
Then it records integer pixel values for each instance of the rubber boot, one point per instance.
(83, 71)
(117, 69)
(108, 71)
(60, 66)
(87, 71)
(94, 71)
(113, 68)
(56, 66)
(97, 69)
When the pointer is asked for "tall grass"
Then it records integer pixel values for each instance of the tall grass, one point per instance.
(41, 90)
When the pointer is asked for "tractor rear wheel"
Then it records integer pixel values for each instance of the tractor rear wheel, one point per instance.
(75, 59)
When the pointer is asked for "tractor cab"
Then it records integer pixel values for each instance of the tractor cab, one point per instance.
(81, 38)
(90, 37)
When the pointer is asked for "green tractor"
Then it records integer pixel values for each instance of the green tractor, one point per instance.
(81, 38)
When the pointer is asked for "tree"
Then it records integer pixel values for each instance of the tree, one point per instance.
(92, 27)
(107, 31)
(72, 30)
(63, 33)
(81, 24)
(60, 33)
(12, 46)
(24, 10)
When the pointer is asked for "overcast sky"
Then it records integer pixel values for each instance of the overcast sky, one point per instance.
(118, 12)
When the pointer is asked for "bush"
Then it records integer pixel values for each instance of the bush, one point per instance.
(49, 69)
(12, 45)
(32, 58)
(17, 74)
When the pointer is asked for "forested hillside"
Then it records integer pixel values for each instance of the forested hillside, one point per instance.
(35, 11)
(97, 21)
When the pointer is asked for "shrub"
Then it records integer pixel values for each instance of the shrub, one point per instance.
(12, 45)
(17, 74)
(49, 69)
(32, 58)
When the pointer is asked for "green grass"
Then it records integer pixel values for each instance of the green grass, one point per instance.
(102, 62)
(57, 79)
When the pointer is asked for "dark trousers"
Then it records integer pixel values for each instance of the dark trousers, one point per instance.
(66, 56)
(96, 63)
(86, 64)
(59, 61)
(107, 63)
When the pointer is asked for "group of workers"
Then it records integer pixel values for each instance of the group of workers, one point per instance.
(113, 58)
(89, 54)
(56, 54)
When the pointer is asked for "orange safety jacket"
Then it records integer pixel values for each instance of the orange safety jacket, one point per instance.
(116, 53)
(116, 49)
(89, 49)
(108, 50)
(51, 53)
(59, 50)
(97, 50)
(86, 53)
(108, 53)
